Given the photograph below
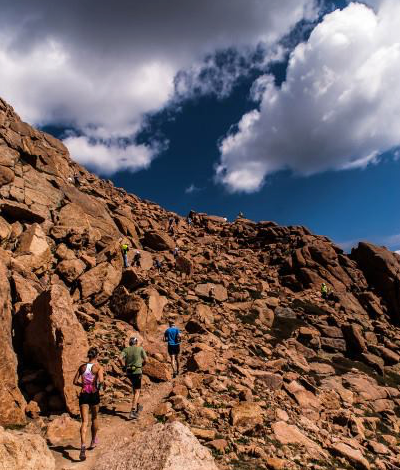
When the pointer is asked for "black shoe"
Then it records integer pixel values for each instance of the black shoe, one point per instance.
(82, 455)
(133, 415)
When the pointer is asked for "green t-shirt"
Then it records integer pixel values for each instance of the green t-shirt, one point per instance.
(134, 357)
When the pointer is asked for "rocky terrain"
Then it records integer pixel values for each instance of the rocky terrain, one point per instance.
(274, 376)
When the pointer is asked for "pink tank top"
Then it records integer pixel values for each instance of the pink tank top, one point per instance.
(89, 380)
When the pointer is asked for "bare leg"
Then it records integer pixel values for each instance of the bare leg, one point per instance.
(95, 423)
(177, 363)
(173, 364)
(135, 399)
(84, 424)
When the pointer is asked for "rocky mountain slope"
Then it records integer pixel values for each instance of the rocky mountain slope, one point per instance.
(273, 376)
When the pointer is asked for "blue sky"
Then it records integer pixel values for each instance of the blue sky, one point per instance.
(286, 110)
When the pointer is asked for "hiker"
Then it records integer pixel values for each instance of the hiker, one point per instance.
(124, 249)
(172, 336)
(171, 222)
(90, 377)
(240, 215)
(175, 252)
(133, 358)
(157, 265)
(324, 291)
(136, 258)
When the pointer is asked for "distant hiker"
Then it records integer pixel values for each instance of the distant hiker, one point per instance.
(189, 221)
(212, 294)
(172, 336)
(171, 222)
(90, 377)
(124, 249)
(77, 180)
(157, 265)
(240, 215)
(133, 358)
(175, 252)
(324, 291)
(137, 258)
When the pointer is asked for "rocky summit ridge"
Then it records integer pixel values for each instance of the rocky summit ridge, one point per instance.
(273, 376)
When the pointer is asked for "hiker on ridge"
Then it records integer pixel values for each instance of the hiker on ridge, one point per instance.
(172, 336)
(124, 249)
(136, 258)
(133, 358)
(324, 291)
(90, 377)
(171, 223)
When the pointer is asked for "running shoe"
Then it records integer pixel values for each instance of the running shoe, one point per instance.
(82, 455)
(133, 415)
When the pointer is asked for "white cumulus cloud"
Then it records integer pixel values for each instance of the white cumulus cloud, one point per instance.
(338, 108)
(100, 67)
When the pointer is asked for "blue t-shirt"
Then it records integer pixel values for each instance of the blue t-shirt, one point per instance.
(171, 335)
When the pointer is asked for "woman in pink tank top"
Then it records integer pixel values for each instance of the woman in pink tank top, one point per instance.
(90, 378)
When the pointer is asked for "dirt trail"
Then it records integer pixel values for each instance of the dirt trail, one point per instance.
(114, 427)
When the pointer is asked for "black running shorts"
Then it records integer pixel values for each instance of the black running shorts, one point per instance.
(136, 381)
(91, 399)
(174, 350)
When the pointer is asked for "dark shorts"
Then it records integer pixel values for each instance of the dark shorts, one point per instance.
(91, 399)
(136, 381)
(174, 350)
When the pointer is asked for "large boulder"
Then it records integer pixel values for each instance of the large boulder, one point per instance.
(162, 447)
(33, 250)
(246, 416)
(71, 269)
(133, 309)
(23, 451)
(56, 340)
(158, 241)
(100, 282)
(12, 403)
(381, 268)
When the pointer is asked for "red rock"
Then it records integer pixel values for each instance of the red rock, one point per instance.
(382, 270)
(162, 447)
(290, 434)
(70, 269)
(353, 455)
(133, 309)
(158, 371)
(12, 403)
(202, 361)
(184, 265)
(220, 445)
(100, 282)
(158, 241)
(24, 451)
(33, 249)
(62, 429)
(246, 416)
(57, 341)
(32, 409)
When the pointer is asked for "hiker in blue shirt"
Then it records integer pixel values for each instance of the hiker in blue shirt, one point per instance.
(172, 336)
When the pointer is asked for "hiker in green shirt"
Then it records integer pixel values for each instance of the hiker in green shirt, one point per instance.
(133, 358)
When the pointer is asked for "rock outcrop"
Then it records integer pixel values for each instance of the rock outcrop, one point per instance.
(57, 341)
(23, 451)
(162, 447)
(12, 403)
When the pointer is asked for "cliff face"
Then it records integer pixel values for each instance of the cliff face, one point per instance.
(273, 374)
